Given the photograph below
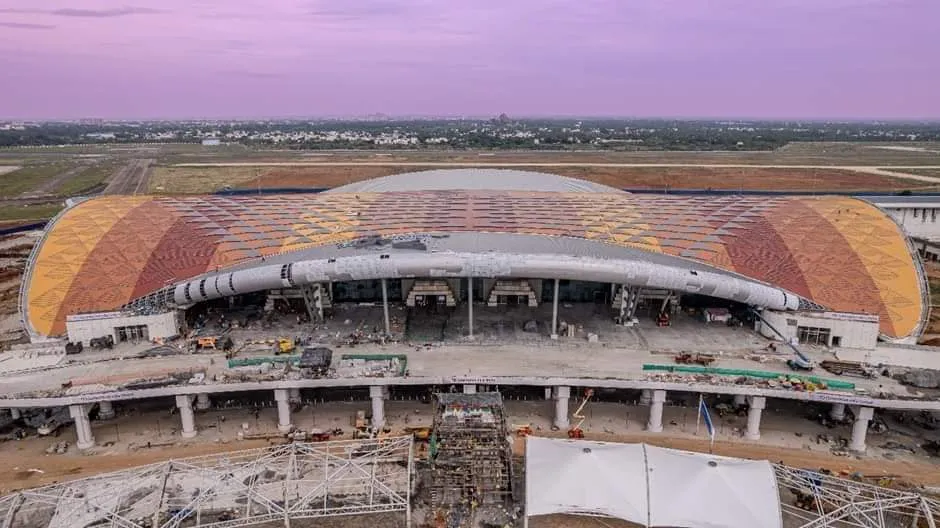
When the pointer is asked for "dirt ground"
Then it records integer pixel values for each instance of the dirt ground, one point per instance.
(722, 178)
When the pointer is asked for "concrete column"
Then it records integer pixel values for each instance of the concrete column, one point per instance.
(739, 400)
(15, 413)
(753, 417)
(185, 404)
(860, 428)
(84, 438)
(469, 389)
(562, 394)
(378, 394)
(282, 397)
(837, 412)
(203, 402)
(555, 312)
(105, 410)
(646, 396)
(470, 305)
(655, 423)
(388, 323)
(548, 393)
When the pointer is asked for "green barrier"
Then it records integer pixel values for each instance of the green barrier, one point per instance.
(402, 359)
(762, 374)
(255, 361)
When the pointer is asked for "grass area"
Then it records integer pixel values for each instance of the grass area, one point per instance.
(86, 180)
(922, 172)
(195, 180)
(20, 213)
(28, 178)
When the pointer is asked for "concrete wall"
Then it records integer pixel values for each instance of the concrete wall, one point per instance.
(855, 330)
(85, 327)
(923, 222)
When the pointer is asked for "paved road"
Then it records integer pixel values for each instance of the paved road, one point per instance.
(895, 171)
(132, 178)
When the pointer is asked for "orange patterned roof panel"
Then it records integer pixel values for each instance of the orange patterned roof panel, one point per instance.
(841, 253)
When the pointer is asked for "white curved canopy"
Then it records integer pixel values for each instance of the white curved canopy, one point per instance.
(650, 486)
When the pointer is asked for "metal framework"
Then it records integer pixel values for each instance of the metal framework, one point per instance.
(243, 488)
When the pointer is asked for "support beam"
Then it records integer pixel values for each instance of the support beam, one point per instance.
(282, 396)
(294, 395)
(562, 395)
(754, 411)
(388, 323)
(15, 413)
(646, 397)
(555, 312)
(548, 393)
(105, 410)
(185, 404)
(469, 389)
(860, 428)
(378, 393)
(84, 438)
(470, 306)
(655, 423)
(837, 412)
(740, 400)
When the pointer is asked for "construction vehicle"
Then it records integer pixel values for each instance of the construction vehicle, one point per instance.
(663, 319)
(801, 361)
(576, 431)
(420, 434)
(73, 348)
(102, 342)
(523, 430)
(284, 345)
(687, 358)
(850, 368)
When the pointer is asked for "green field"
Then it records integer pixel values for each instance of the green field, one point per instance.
(86, 180)
(29, 178)
(17, 213)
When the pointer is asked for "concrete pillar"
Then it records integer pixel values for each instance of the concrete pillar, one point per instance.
(282, 397)
(837, 412)
(470, 305)
(555, 312)
(655, 423)
(388, 323)
(469, 389)
(84, 438)
(548, 393)
(646, 396)
(185, 404)
(105, 410)
(15, 413)
(757, 405)
(562, 394)
(378, 394)
(739, 400)
(860, 428)
(203, 402)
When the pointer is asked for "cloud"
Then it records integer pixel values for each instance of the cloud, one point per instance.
(87, 13)
(24, 25)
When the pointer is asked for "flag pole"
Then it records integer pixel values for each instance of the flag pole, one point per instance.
(698, 414)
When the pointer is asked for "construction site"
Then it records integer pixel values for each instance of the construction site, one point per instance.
(395, 348)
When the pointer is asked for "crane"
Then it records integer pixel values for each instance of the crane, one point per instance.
(576, 431)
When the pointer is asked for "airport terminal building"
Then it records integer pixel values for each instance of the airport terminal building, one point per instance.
(827, 270)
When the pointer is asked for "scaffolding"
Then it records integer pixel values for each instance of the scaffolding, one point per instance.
(471, 454)
(243, 488)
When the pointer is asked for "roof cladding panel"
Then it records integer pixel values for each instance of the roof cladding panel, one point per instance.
(838, 252)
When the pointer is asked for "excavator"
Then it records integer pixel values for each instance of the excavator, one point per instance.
(576, 431)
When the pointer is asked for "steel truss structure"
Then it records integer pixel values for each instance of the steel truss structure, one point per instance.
(243, 488)
(830, 501)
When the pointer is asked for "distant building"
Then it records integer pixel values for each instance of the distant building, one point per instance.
(211, 142)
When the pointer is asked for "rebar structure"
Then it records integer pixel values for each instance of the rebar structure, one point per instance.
(471, 454)
(243, 488)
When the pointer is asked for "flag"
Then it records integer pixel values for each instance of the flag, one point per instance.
(703, 414)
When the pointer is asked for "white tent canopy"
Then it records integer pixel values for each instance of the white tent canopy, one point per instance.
(650, 486)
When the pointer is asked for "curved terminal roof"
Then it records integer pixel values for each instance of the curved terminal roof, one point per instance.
(841, 253)
(475, 180)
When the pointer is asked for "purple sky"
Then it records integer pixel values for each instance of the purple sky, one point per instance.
(251, 58)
